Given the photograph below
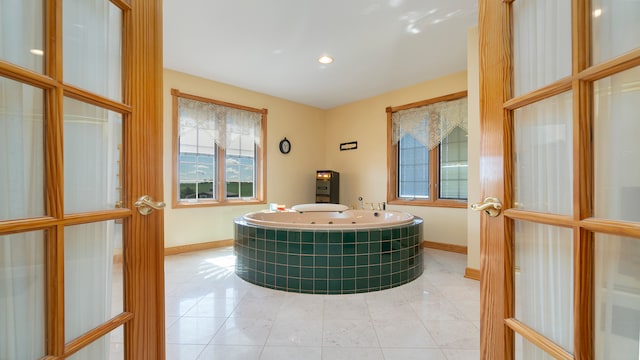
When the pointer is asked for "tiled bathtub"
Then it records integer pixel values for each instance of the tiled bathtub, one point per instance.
(328, 261)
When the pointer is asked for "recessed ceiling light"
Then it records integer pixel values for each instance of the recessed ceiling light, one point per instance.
(597, 12)
(36, 52)
(324, 59)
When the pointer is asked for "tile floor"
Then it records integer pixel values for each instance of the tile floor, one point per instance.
(213, 314)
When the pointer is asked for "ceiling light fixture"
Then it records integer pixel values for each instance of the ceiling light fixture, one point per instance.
(597, 12)
(324, 59)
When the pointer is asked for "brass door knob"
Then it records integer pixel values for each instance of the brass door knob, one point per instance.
(146, 205)
(491, 206)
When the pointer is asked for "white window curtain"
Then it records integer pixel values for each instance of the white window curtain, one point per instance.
(91, 137)
(542, 173)
(543, 144)
(615, 28)
(616, 132)
(544, 284)
(541, 43)
(430, 124)
(92, 60)
(92, 46)
(617, 194)
(617, 295)
(21, 29)
(22, 294)
(215, 119)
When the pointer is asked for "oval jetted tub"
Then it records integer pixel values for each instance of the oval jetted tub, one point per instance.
(329, 250)
(347, 219)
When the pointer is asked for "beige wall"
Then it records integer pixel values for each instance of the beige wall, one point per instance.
(290, 178)
(315, 135)
(473, 217)
(363, 172)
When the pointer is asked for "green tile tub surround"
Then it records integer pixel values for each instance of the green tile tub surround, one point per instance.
(328, 261)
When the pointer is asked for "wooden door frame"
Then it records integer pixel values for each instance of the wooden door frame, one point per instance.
(495, 339)
(144, 257)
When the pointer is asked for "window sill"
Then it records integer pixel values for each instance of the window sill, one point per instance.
(214, 203)
(460, 204)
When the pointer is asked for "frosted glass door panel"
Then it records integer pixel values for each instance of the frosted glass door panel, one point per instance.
(22, 294)
(114, 230)
(92, 157)
(527, 351)
(616, 25)
(21, 33)
(543, 161)
(617, 291)
(617, 146)
(541, 43)
(92, 46)
(116, 344)
(544, 280)
(21, 150)
(108, 347)
(93, 277)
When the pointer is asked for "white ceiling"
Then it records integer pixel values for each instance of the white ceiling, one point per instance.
(272, 46)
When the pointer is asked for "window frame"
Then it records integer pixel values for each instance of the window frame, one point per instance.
(434, 199)
(260, 159)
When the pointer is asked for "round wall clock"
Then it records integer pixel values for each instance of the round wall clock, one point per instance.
(285, 146)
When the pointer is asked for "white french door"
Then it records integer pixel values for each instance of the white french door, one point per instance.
(560, 98)
(81, 271)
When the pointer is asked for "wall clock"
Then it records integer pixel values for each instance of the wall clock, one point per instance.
(285, 146)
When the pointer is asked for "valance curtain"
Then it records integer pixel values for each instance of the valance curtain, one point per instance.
(214, 119)
(430, 124)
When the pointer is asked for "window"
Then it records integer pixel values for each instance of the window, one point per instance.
(428, 152)
(218, 152)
